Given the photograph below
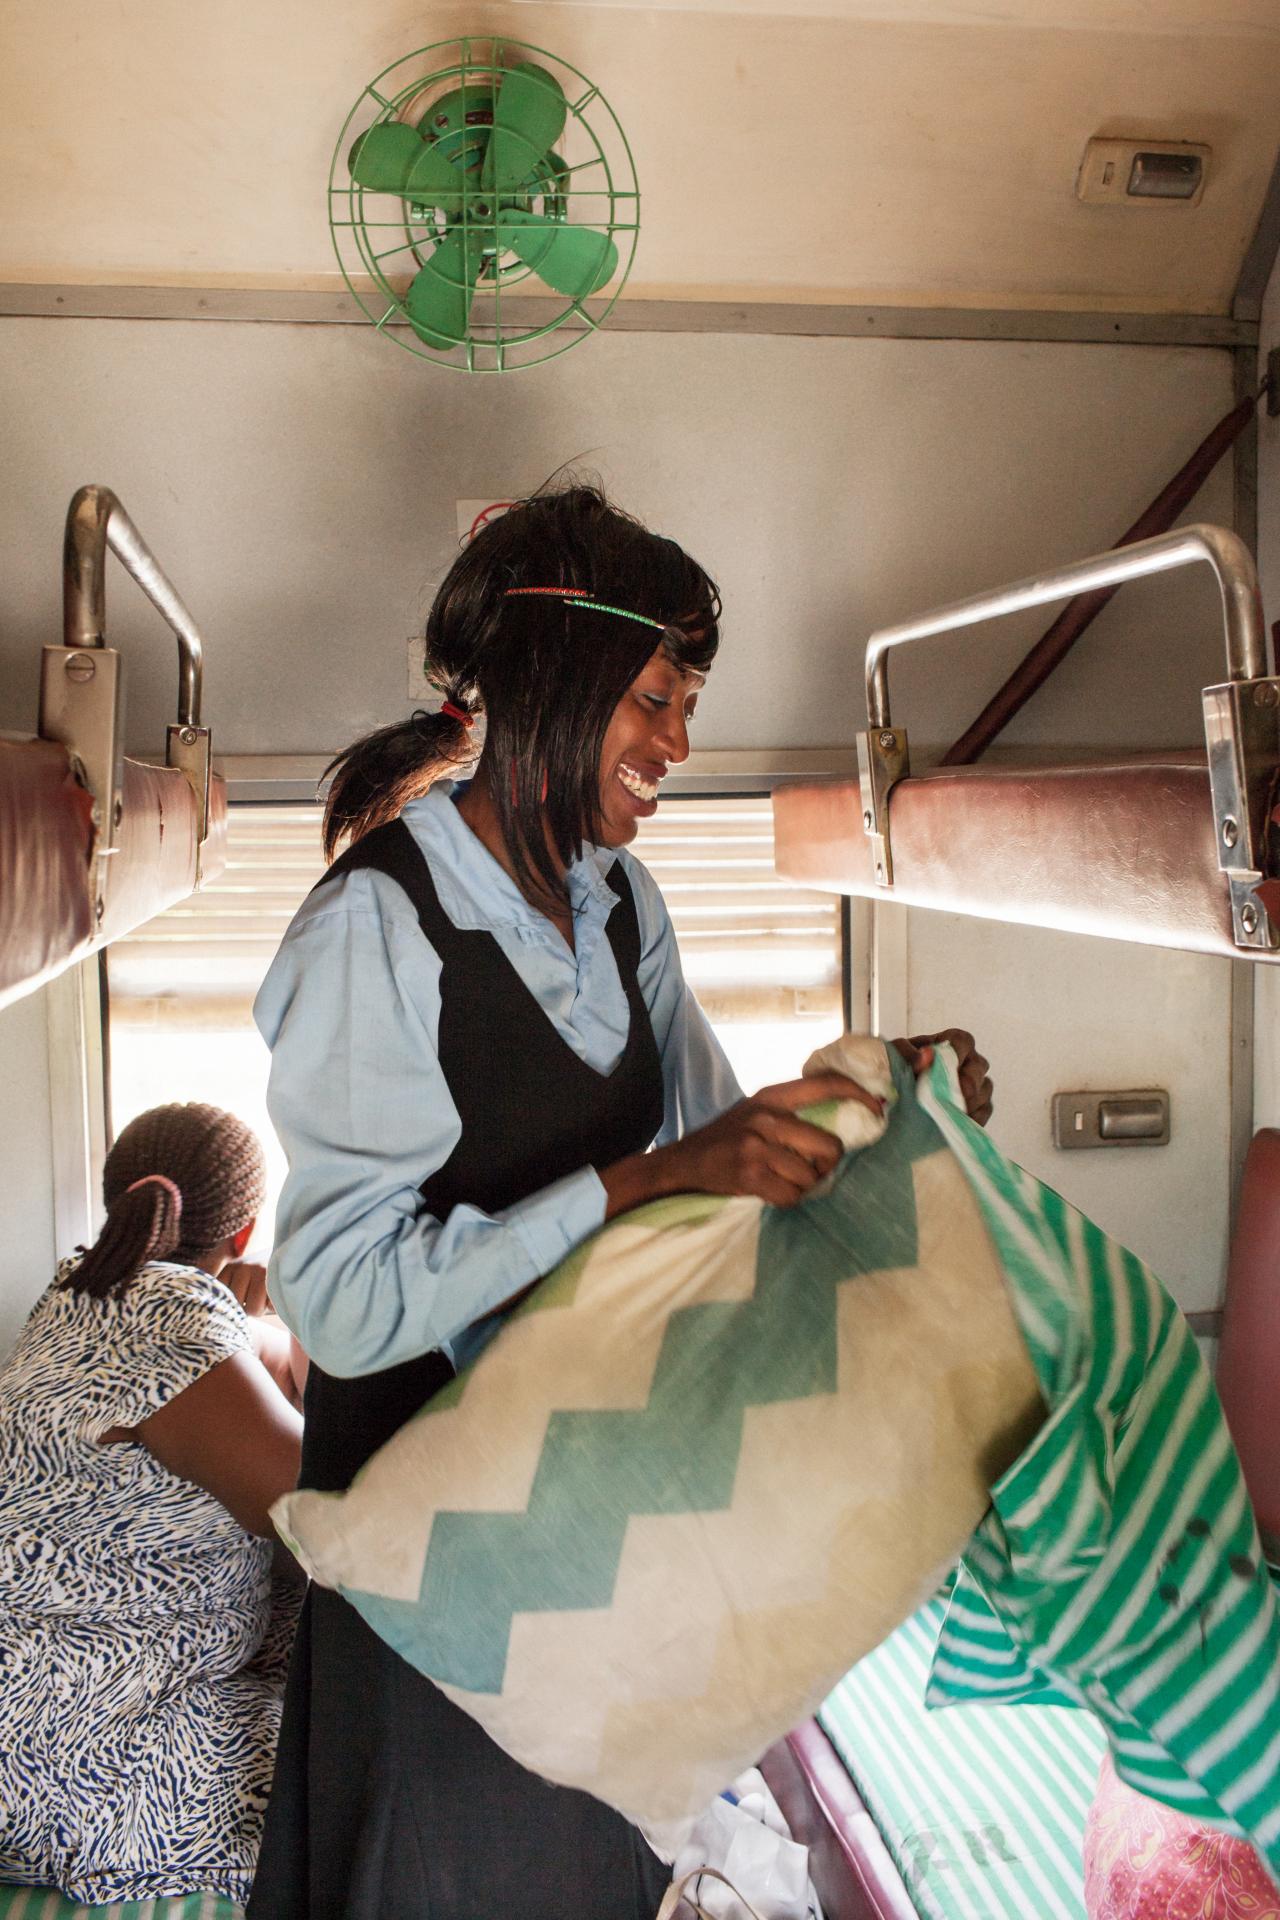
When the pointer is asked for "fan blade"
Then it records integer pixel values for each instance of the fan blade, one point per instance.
(435, 181)
(573, 260)
(382, 159)
(392, 158)
(528, 118)
(439, 301)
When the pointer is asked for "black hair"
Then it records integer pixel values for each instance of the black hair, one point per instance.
(546, 675)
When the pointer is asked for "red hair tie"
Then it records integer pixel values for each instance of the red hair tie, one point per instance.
(458, 713)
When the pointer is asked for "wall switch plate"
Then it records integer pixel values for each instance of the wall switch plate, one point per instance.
(1138, 1117)
(1143, 173)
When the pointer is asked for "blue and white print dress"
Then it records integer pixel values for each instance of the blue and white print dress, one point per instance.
(142, 1646)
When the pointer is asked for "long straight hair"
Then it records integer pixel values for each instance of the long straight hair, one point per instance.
(546, 675)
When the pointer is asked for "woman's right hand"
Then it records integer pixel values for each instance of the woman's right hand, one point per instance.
(760, 1147)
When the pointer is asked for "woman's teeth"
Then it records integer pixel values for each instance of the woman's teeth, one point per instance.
(634, 783)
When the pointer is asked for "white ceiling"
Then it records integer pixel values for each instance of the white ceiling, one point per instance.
(922, 152)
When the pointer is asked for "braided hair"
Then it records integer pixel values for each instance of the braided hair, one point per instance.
(178, 1182)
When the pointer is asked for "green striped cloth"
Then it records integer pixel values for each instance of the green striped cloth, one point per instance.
(42, 1903)
(1119, 1567)
(982, 1811)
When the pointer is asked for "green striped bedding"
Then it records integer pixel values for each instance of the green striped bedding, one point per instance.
(982, 1808)
(40, 1903)
(1119, 1567)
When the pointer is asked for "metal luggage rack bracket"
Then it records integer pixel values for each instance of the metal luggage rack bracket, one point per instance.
(1241, 716)
(81, 681)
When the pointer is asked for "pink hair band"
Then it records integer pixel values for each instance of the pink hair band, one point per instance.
(161, 1180)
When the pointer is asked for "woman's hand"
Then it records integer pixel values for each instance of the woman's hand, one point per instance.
(975, 1071)
(759, 1147)
(248, 1281)
(274, 1345)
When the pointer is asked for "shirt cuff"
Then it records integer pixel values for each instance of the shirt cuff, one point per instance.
(552, 1223)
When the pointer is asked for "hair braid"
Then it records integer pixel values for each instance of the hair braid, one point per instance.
(178, 1182)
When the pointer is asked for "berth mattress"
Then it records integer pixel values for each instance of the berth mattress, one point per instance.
(725, 1449)
(42, 1903)
(983, 1811)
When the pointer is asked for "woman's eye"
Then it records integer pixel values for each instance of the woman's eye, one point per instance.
(656, 700)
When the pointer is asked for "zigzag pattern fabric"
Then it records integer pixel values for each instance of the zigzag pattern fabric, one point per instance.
(724, 1450)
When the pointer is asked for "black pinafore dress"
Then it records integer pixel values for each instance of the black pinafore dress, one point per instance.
(389, 1802)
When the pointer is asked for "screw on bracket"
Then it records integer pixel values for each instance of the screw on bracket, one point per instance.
(1249, 918)
(1230, 832)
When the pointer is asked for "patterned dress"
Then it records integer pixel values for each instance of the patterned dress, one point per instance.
(142, 1648)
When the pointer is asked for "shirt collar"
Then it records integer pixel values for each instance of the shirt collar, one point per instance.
(475, 891)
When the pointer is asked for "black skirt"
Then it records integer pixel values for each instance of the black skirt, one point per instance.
(390, 1803)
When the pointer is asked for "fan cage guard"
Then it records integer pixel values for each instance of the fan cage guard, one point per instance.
(497, 342)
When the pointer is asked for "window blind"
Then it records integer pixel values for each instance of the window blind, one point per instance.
(753, 946)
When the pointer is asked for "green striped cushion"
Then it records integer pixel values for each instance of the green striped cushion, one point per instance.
(983, 1810)
(42, 1903)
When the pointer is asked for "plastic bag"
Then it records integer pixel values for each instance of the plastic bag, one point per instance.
(740, 1862)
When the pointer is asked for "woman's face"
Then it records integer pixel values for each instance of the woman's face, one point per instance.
(648, 733)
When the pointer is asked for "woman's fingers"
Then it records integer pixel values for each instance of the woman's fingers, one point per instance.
(812, 1146)
(787, 1095)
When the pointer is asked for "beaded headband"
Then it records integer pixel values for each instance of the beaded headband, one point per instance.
(579, 597)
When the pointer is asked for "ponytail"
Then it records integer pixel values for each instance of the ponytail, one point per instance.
(377, 776)
(143, 1223)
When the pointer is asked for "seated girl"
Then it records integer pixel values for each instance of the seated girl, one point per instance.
(143, 1642)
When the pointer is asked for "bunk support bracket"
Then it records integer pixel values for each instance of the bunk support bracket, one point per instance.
(1242, 716)
(883, 760)
(1242, 732)
(81, 681)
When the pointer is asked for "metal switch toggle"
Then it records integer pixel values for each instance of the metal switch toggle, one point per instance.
(1135, 1118)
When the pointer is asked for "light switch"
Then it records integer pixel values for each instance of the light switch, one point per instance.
(1137, 1117)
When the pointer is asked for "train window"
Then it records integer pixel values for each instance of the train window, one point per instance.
(765, 958)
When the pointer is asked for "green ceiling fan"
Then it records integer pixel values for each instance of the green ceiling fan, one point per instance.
(486, 166)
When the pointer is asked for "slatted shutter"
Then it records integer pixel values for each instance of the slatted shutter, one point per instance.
(754, 947)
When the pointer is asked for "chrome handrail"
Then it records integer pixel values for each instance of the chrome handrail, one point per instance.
(1225, 552)
(95, 521)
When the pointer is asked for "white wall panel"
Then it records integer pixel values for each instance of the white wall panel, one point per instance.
(26, 1158)
(299, 485)
(1058, 1012)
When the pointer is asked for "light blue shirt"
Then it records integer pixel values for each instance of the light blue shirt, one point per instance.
(350, 1008)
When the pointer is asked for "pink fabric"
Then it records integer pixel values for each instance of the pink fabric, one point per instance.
(1248, 1372)
(1143, 1861)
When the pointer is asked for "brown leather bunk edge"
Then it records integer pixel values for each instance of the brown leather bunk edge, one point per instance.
(849, 1863)
(47, 854)
(1124, 849)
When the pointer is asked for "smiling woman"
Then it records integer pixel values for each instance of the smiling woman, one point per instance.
(479, 1028)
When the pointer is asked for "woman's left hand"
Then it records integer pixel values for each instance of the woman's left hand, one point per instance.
(975, 1071)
